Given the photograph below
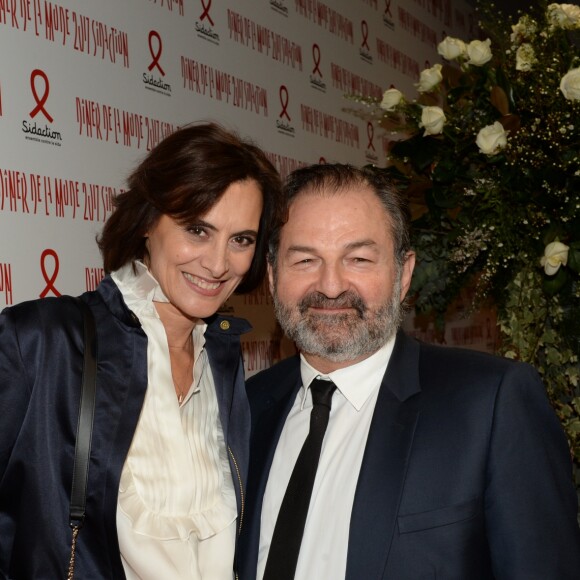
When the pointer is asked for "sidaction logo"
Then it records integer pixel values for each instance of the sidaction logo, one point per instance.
(36, 128)
(388, 19)
(49, 278)
(205, 25)
(283, 123)
(153, 78)
(365, 49)
(279, 6)
(371, 152)
(316, 81)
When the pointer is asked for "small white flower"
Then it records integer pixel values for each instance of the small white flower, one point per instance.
(525, 58)
(429, 78)
(570, 84)
(451, 48)
(479, 52)
(391, 99)
(491, 139)
(555, 254)
(432, 120)
(564, 16)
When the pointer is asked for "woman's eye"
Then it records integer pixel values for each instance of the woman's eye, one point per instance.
(196, 230)
(244, 241)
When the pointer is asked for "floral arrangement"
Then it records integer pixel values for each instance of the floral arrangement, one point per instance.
(490, 154)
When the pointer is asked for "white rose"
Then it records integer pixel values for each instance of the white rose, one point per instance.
(525, 28)
(479, 52)
(525, 57)
(564, 15)
(555, 254)
(391, 98)
(451, 48)
(491, 139)
(429, 78)
(570, 84)
(432, 120)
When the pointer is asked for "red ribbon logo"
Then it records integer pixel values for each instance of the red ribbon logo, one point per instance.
(156, 55)
(284, 98)
(49, 279)
(316, 57)
(205, 13)
(365, 34)
(40, 101)
(370, 135)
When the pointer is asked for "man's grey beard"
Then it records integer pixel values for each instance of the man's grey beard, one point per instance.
(340, 337)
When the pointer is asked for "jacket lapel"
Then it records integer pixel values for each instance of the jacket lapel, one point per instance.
(384, 465)
(271, 398)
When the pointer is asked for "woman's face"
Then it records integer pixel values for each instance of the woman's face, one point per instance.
(198, 266)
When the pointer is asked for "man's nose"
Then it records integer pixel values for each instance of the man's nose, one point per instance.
(332, 281)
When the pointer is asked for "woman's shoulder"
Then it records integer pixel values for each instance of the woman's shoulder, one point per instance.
(226, 324)
(44, 307)
(43, 313)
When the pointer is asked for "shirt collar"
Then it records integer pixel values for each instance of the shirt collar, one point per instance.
(356, 382)
(139, 283)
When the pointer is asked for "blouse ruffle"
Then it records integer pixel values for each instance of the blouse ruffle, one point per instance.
(176, 480)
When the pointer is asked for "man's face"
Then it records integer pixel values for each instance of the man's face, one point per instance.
(336, 288)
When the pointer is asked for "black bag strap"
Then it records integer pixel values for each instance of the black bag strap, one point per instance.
(78, 498)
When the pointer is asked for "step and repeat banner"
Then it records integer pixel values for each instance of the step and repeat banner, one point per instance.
(88, 87)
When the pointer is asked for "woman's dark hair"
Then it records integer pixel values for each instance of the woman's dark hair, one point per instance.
(328, 179)
(183, 177)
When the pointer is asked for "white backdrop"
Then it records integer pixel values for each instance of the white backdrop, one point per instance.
(87, 87)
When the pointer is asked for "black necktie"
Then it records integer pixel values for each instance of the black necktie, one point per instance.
(287, 537)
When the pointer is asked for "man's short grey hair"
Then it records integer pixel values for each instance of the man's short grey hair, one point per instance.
(335, 178)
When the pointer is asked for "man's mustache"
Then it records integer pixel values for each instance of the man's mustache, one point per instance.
(348, 299)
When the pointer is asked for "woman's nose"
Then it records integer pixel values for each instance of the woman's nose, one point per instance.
(215, 260)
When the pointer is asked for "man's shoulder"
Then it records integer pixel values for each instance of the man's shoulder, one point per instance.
(284, 371)
(274, 384)
(452, 365)
(443, 355)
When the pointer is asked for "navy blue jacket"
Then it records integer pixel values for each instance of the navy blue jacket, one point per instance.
(41, 360)
(466, 473)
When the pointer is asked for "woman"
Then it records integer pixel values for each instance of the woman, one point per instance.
(169, 444)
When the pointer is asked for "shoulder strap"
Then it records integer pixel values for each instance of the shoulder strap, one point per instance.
(85, 422)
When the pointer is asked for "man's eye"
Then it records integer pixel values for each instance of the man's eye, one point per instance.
(304, 262)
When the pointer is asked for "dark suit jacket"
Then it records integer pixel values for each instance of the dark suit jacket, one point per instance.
(466, 473)
(40, 376)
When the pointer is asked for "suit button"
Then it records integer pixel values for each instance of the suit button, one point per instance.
(224, 325)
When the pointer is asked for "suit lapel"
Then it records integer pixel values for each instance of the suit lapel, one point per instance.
(384, 465)
(273, 397)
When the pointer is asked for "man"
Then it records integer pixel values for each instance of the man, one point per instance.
(436, 462)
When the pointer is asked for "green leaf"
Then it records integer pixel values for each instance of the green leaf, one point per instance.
(574, 259)
(421, 151)
(552, 284)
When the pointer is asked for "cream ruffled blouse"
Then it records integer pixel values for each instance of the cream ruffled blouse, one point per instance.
(176, 509)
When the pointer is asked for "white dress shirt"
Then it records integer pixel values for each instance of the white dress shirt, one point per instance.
(176, 509)
(325, 542)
